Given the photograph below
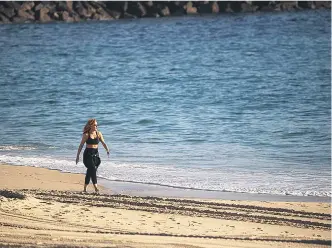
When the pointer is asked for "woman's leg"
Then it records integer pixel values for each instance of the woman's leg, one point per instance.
(87, 178)
(94, 178)
(96, 188)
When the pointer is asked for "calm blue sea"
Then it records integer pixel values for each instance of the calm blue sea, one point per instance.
(238, 102)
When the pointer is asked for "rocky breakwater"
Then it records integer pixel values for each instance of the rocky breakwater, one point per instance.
(76, 11)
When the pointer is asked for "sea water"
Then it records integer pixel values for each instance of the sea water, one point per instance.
(234, 102)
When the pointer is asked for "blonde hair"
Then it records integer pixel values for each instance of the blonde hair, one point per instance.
(88, 125)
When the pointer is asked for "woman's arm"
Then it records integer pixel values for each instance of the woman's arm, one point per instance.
(84, 138)
(103, 142)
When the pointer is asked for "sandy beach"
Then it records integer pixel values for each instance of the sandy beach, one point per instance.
(45, 208)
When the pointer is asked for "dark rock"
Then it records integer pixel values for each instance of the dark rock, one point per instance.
(8, 12)
(323, 4)
(55, 16)
(65, 16)
(45, 11)
(80, 10)
(207, 7)
(247, 7)
(148, 4)
(19, 19)
(100, 8)
(97, 5)
(235, 6)
(4, 19)
(180, 3)
(95, 16)
(223, 6)
(306, 4)
(115, 14)
(215, 7)
(271, 6)
(31, 12)
(26, 6)
(260, 4)
(84, 10)
(129, 16)
(76, 17)
(76, 5)
(152, 9)
(101, 17)
(104, 15)
(165, 11)
(142, 9)
(61, 6)
(190, 9)
(13, 5)
(69, 6)
(89, 9)
(125, 6)
(116, 9)
(288, 6)
(229, 8)
(42, 15)
(25, 15)
(136, 9)
(176, 8)
(38, 6)
(49, 5)
(117, 6)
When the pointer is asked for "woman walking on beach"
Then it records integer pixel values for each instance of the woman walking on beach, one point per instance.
(91, 136)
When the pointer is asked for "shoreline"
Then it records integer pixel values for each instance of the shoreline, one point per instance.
(46, 208)
(141, 189)
(152, 190)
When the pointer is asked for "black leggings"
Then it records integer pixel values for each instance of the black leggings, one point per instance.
(91, 161)
(91, 173)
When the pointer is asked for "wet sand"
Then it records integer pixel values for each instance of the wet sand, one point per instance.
(45, 208)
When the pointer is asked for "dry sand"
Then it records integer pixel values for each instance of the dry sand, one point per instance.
(45, 208)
